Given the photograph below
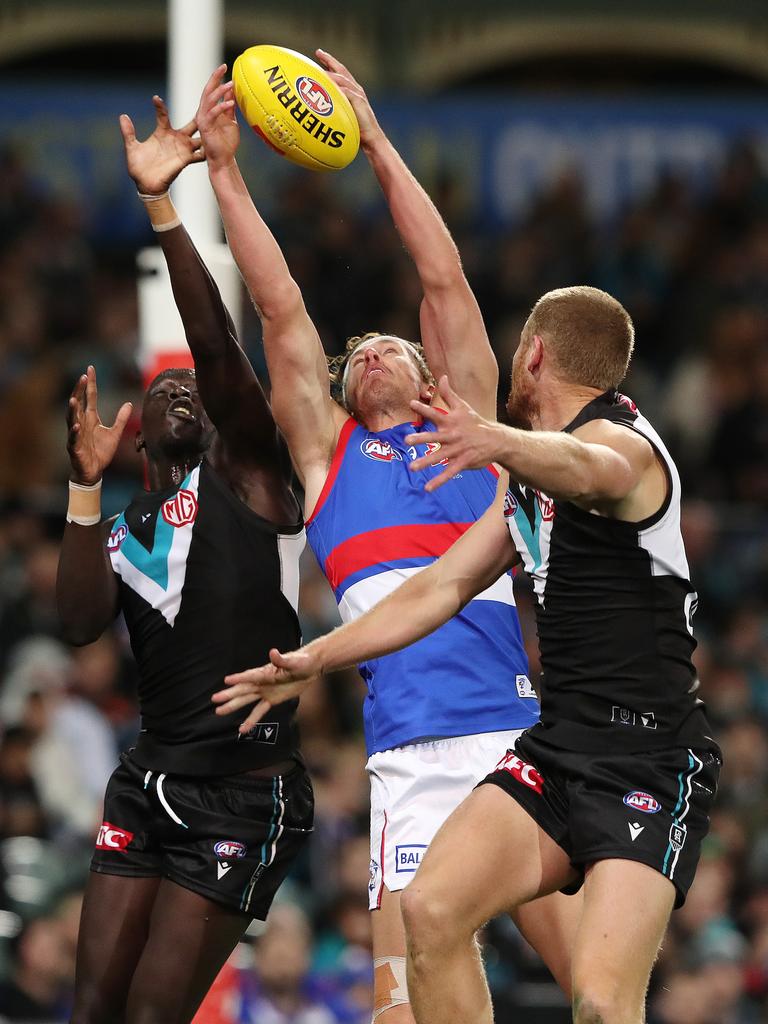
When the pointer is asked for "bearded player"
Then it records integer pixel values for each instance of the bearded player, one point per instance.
(439, 714)
(201, 823)
(611, 791)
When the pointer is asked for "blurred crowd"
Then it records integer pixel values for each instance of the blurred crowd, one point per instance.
(692, 270)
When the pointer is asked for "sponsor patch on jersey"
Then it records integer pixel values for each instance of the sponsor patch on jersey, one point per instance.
(408, 857)
(262, 732)
(116, 538)
(314, 95)
(524, 687)
(643, 802)
(380, 451)
(677, 835)
(112, 837)
(546, 505)
(522, 771)
(181, 509)
(229, 849)
(510, 505)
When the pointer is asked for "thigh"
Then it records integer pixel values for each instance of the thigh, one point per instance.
(489, 857)
(190, 939)
(626, 909)
(114, 926)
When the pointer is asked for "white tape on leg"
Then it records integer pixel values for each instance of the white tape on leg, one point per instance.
(390, 987)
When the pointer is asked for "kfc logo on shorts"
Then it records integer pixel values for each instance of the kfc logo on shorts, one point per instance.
(116, 538)
(510, 505)
(522, 771)
(181, 509)
(111, 837)
(229, 849)
(314, 95)
(380, 451)
(546, 505)
(643, 802)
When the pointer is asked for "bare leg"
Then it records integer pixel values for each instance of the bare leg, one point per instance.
(190, 939)
(114, 925)
(388, 941)
(488, 857)
(550, 925)
(626, 910)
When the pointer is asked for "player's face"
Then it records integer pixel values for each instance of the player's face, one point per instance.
(522, 404)
(173, 420)
(382, 373)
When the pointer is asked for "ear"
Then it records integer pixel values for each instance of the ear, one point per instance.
(535, 359)
(426, 393)
(140, 442)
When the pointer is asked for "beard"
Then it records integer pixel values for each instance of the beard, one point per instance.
(522, 405)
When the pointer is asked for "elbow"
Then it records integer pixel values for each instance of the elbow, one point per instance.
(78, 635)
(281, 302)
(443, 276)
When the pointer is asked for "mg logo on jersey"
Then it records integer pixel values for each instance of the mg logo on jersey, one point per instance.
(643, 802)
(380, 451)
(314, 95)
(408, 858)
(227, 849)
(522, 771)
(116, 538)
(181, 509)
(111, 837)
(546, 505)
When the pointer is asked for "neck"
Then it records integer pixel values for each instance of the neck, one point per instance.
(164, 472)
(384, 419)
(561, 403)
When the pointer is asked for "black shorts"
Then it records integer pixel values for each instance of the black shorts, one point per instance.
(231, 839)
(651, 807)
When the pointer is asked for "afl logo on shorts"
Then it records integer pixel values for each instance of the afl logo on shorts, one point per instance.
(229, 849)
(111, 837)
(380, 451)
(116, 538)
(314, 95)
(643, 802)
(181, 509)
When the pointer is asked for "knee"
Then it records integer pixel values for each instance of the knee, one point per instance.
(431, 921)
(592, 1006)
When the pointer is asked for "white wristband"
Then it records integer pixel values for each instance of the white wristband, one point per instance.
(146, 197)
(84, 503)
(168, 226)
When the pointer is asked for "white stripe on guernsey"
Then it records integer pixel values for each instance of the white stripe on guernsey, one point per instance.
(663, 541)
(171, 813)
(167, 601)
(364, 594)
(699, 765)
(289, 549)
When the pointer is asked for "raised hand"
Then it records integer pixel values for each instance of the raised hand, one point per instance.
(466, 440)
(217, 121)
(90, 444)
(155, 163)
(287, 676)
(369, 126)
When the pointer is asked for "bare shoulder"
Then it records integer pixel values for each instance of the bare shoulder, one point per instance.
(623, 440)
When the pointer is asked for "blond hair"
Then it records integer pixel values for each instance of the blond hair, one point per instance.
(591, 334)
(338, 366)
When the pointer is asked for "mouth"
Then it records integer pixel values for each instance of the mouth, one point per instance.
(182, 408)
(370, 373)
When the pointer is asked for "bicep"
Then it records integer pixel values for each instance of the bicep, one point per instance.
(617, 459)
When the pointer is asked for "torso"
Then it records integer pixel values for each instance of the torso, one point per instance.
(207, 586)
(372, 528)
(615, 606)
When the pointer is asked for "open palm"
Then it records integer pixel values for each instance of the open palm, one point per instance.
(155, 163)
(91, 444)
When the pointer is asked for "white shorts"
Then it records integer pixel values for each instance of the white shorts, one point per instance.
(413, 790)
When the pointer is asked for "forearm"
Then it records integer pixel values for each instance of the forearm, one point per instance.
(414, 610)
(86, 588)
(416, 218)
(254, 247)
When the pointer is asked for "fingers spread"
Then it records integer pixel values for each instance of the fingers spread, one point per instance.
(161, 112)
(127, 130)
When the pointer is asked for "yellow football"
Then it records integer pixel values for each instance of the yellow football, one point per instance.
(292, 104)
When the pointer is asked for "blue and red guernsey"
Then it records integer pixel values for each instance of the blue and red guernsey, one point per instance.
(373, 527)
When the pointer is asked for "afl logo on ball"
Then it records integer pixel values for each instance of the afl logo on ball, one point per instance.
(116, 538)
(314, 95)
(380, 451)
(643, 802)
(181, 509)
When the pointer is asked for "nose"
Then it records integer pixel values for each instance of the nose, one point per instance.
(179, 391)
(371, 355)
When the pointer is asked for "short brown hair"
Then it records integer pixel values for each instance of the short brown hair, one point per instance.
(591, 333)
(337, 365)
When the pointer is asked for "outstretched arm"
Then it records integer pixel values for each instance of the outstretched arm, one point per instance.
(452, 329)
(229, 388)
(417, 608)
(86, 588)
(300, 396)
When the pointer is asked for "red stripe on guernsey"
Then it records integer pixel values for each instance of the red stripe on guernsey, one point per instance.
(389, 544)
(381, 861)
(333, 472)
